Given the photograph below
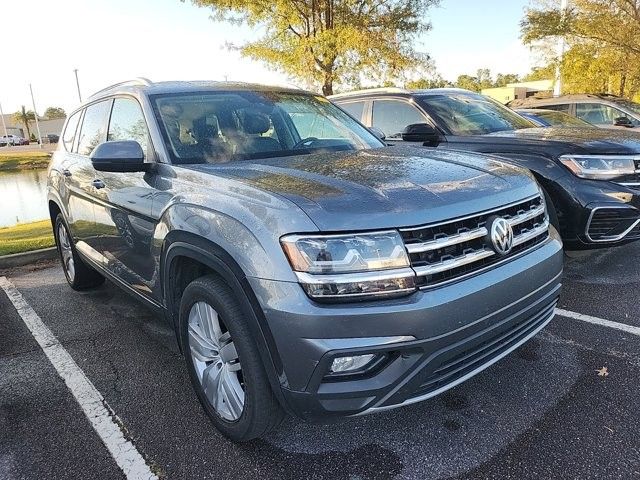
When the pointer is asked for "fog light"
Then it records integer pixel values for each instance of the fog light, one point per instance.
(349, 364)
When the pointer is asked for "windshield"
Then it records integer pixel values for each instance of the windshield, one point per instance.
(218, 127)
(465, 114)
(633, 106)
(560, 119)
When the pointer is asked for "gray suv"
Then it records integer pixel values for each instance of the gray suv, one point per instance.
(304, 266)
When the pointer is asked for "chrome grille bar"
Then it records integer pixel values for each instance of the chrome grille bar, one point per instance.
(531, 234)
(528, 215)
(455, 262)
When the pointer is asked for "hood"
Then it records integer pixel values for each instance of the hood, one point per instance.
(385, 187)
(575, 140)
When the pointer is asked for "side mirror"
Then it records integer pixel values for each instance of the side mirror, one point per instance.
(421, 132)
(120, 156)
(623, 122)
(378, 133)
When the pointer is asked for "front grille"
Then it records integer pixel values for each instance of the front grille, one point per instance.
(469, 358)
(612, 223)
(448, 251)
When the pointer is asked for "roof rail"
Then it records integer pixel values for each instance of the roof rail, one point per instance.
(135, 81)
(371, 90)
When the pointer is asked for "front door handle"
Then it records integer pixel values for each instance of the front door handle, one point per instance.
(98, 183)
(66, 172)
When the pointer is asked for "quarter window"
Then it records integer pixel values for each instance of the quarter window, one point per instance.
(392, 116)
(70, 131)
(563, 107)
(94, 127)
(128, 123)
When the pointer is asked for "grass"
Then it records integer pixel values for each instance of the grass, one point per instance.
(23, 160)
(25, 237)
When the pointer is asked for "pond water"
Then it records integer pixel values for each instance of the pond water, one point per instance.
(23, 197)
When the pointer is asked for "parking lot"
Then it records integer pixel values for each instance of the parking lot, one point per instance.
(564, 405)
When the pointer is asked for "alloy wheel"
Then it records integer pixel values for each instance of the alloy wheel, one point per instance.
(216, 361)
(67, 253)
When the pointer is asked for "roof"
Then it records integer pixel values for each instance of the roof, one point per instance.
(153, 88)
(401, 91)
(564, 98)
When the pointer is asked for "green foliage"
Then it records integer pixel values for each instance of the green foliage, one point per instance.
(483, 79)
(54, 112)
(13, 159)
(603, 39)
(25, 116)
(425, 83)
(331, 41)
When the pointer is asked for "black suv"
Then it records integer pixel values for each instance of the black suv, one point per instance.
(304, 266)
(591, 175)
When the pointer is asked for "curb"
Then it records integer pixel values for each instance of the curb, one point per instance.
(21, 259)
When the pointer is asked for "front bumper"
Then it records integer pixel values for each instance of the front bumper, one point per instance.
(431, 340)
(596, 214)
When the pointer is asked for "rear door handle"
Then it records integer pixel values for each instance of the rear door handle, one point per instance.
(66, 172)
(98, 183)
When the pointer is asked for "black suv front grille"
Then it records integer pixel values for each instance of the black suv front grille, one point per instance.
(448, 251)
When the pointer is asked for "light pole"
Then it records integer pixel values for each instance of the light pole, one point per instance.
(35, 114)
(557, 86)
(75, 71)
(4, 125)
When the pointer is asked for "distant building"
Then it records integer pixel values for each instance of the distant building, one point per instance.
(53, 126)
(519, 90)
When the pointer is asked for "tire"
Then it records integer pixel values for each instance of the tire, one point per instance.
(79, 275)
(225, 357)
(551, 210)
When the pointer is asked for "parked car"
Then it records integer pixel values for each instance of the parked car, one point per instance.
(11, 139)
(551, 118)
(304, 266)
(592, 176)
(50, 138)
(605, 111)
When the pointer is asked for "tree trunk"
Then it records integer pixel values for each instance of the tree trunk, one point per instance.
(327, 88)
(623, 81)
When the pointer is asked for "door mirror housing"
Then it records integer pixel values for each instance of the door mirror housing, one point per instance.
(119, 156)
(378, 133)
(623, 122)
(421, 132)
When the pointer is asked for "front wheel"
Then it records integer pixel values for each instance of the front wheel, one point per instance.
(224, 363)
(79, 275)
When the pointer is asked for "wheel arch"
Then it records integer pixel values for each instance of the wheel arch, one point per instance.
(185, 256)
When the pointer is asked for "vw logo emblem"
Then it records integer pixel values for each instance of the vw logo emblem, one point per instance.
(501, 235)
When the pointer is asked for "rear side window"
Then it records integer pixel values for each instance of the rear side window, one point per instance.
(128, 123)
(392, 116)
(94, 127)
(355, 109)
(70, 131)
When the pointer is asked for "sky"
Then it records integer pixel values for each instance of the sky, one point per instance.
(113, 40)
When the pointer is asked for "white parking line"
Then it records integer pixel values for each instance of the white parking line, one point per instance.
(599, 321)
(102, 418)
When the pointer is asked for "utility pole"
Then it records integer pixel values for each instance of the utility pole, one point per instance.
(75, 71)
(4, 125)
(35, 114)
(562, 45)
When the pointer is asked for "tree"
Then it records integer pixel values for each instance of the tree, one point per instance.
(24, 117)
(435, 81)
(468, 83)
(326, 42)
(603, 37)
(502, 79)
(54, 112)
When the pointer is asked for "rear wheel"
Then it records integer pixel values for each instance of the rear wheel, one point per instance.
(80, 276)
(223, 362)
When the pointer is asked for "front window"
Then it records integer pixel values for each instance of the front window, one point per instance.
(217, 127)
(464, 114)
(600, 114)
(392, 116)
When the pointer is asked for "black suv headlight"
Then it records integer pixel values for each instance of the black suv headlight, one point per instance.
(600, 167)
(352, 266)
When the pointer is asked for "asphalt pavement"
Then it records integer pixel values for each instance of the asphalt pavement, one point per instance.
(565, 405)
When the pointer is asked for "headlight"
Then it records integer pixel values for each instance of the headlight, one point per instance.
(599, 167)
(347, 266)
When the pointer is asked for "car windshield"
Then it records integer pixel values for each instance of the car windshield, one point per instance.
(633, 106)
(218, 127)
(560, 119)
(465, 114)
